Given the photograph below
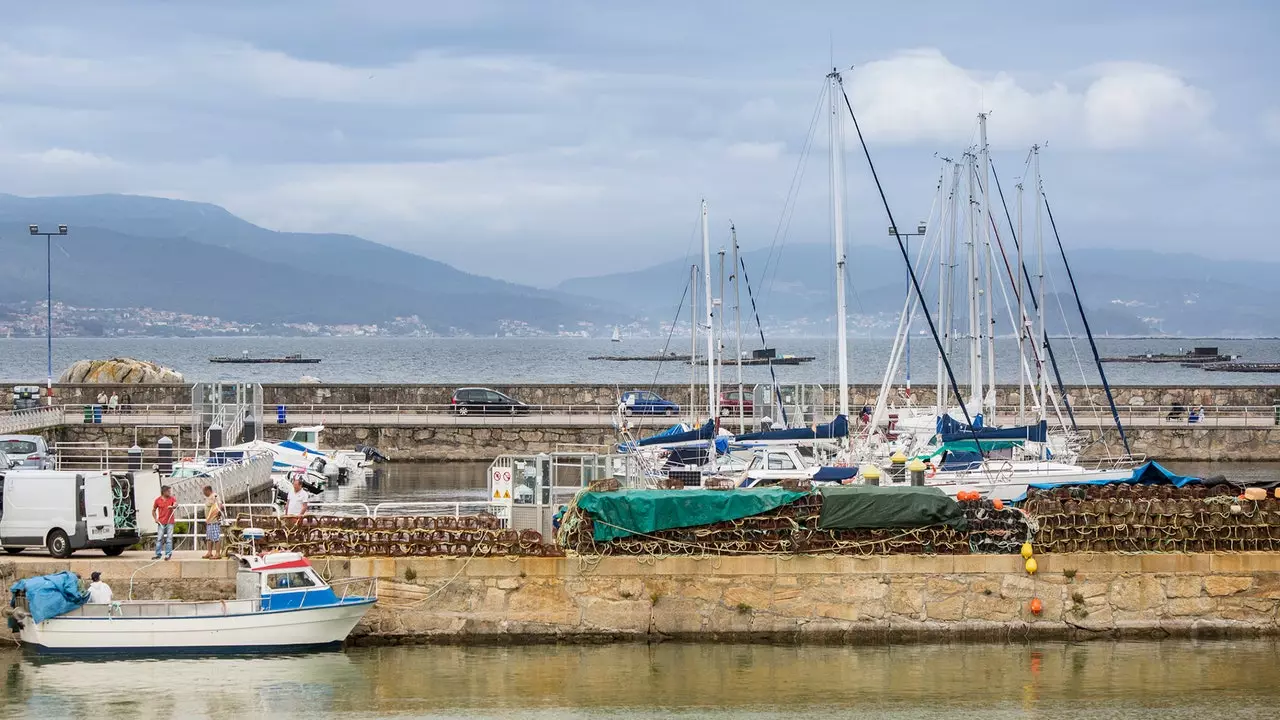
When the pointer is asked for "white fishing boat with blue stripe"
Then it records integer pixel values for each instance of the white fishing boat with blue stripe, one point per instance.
(282, 605)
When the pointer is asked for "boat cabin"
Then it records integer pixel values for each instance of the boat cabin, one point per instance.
(283, 581)
(308, 437)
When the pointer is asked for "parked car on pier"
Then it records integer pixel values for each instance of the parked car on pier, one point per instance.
(29, 450)
(486, 402)
(643, 402)
(730, 401)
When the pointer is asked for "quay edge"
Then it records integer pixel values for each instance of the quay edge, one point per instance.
(800, 599)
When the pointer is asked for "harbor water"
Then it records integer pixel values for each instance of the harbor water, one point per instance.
(1168, 680)
(565, 360)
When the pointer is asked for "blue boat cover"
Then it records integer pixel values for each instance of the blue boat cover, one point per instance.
(835, 474)
(947, 425)
(1029, 433)
(706, 432)
(1149, 473)
(960, 459)
(837, 428)
(49, 595)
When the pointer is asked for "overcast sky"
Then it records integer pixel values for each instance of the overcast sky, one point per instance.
(535, 141)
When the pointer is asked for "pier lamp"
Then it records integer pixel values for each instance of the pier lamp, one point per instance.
(48, 249)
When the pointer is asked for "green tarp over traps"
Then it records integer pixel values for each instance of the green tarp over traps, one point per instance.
(626, 512)
(862, 507)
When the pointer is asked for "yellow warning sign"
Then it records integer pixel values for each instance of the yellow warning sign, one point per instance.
(497, 495)
(506, 495)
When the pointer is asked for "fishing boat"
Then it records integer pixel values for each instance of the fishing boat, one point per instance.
(245, 359)
(282, 604)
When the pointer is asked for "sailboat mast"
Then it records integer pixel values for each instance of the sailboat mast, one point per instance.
(1020, 241)
(693, 342)
(737, 319)
(711, 325)
(975, 339)
(1043, 337)
(946, 280)
(835, 127)
(986, 226)
(720, 331)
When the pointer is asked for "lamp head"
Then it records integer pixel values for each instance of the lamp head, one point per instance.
(35, 229)
(62, 229)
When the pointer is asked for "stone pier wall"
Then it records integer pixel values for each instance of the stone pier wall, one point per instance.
(766, 597)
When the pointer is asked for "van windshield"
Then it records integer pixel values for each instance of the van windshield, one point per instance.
(17, 447)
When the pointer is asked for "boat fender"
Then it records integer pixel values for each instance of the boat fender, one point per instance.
(933, 470)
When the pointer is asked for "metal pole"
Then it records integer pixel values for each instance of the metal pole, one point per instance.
(693, 350)
(720, 333)
(711, 331)
(990, 325)
(737, 319)
(48, 248)
(835, 127)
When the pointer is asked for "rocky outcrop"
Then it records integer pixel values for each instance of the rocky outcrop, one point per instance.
(119, 371)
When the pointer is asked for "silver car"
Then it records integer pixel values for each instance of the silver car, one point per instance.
(28, 451)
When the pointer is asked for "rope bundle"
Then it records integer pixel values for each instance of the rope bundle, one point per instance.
(399, 536)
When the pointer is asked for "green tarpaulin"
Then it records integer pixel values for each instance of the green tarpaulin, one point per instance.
(626, 512)
(859, 507)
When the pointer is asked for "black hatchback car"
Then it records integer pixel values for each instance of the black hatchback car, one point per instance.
(485, 401)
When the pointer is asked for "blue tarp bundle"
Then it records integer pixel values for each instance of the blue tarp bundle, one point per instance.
(49, 595)
(835, 474)
(837, 428)
(1029, 433)
(1149, 473)
(706, 432)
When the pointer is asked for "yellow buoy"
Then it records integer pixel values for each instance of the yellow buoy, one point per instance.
(1032, 566)
(1026, 551)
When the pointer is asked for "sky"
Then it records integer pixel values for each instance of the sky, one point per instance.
(540, 141)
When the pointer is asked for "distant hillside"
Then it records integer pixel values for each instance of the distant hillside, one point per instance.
(1124, 292)
(130, 251)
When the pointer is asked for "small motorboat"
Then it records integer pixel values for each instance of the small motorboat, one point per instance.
(281, 605)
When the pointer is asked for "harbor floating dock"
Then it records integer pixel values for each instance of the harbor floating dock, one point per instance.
(246, 360)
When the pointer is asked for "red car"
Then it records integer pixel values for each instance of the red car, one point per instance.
(729, 402)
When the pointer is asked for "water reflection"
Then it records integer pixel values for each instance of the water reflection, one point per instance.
(1093, 680)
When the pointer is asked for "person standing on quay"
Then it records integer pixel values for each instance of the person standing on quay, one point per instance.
(212, 524)
(296, 503)
(113, 404)
(162, 511)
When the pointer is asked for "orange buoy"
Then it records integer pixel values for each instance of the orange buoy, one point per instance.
(1037, 607)
(998, 504)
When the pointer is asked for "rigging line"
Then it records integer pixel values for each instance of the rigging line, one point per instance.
(763, 344)
(1035, 304)
(1115, 414)
(915, 282)
(667, 345)
(793, 191)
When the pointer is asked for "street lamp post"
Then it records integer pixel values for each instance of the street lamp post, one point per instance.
(48, 249)
(893, 232)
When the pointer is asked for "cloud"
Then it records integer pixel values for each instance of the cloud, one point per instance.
(62, 158)
(919, 96)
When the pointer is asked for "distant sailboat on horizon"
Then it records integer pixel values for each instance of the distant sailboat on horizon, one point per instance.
(617, 336)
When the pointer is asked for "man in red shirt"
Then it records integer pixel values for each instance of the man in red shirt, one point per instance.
(162, 511)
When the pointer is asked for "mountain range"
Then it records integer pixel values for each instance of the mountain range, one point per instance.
(133, 251)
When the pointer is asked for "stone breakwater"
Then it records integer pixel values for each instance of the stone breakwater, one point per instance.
(769, 597)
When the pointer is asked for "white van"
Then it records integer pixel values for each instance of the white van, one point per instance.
(65, 511)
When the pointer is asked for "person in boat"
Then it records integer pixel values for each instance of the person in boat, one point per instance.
(212, 524)
(296, 504)
(162, 511)
(99, 592)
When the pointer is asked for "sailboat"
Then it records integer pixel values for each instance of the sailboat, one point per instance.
(617, 336)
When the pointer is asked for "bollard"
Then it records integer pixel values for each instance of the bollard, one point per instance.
(164, 454)
(915, 471)
(135, 457)
(250, 431)
(898, 466)
(215, 435)
(871, 475)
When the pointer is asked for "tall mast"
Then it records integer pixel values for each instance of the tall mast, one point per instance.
(711, 325)
(946, 279)
(835, 127)
(693, 342)
(720, 331)
(1022, 325)
(975, 337)
(986, 226)
(1043, 337)
(737, 318)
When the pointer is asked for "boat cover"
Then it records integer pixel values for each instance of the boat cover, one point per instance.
(837, 428)
(49, 595)
(623, 513)
(858, 507)
(706, 432)
(960, 431)
(829, 473)
(1148, 473)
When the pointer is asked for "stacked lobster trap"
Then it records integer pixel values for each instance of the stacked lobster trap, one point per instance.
(401, 536)
(1153, 518)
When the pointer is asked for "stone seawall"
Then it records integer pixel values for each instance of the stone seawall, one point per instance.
(607, 394)
(765, 597)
